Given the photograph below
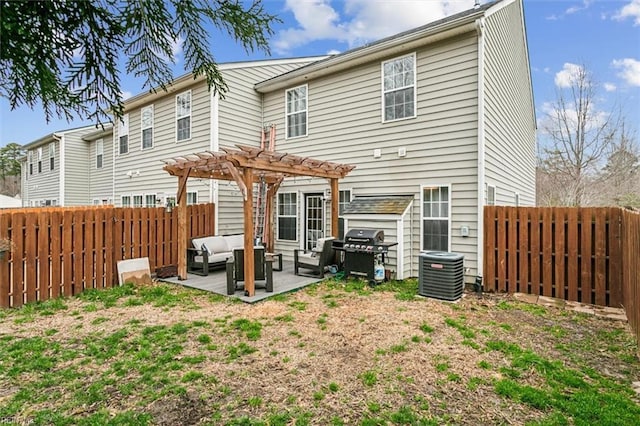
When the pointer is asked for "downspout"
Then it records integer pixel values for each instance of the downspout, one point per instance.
(214, 146)
(481, 152)
(60, 139)
(113, 166)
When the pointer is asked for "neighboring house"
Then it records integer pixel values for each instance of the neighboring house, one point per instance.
(55, 169)
(439, 122)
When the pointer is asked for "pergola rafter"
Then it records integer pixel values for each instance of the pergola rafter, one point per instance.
(247, 165)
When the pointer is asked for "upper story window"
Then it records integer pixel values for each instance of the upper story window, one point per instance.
(297, 112)
(398, 88)
(99, 153)
(123, 135)
(52, 155)
(39, 160)
(137, 201)
(30, 155)
(183, 116)
(126, 201)
(146, 126)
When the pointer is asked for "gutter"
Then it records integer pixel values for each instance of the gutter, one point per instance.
(60, 139)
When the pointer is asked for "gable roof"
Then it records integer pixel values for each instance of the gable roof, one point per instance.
(437, 30)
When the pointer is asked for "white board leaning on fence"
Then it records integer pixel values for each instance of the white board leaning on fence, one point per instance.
(136, 270)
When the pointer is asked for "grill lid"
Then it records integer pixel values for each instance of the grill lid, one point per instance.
(363, 235)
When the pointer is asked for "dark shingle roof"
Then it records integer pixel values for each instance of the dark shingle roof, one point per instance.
(385, 204)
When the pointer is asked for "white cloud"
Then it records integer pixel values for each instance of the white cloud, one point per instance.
(575, 9)
(629, 70)
(359, 21)
(631, 10)
(610, 87)
(333, 52)
(176, 46)
(126, 95)
(566, 77)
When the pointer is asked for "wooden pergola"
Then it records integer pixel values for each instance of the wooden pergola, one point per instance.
(247, 165)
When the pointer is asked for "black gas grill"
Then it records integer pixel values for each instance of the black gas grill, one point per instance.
(361, 248)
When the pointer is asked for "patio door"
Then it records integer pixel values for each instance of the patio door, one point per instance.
(313, 219)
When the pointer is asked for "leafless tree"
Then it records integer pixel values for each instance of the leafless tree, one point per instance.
(620, 177)
(578, 138)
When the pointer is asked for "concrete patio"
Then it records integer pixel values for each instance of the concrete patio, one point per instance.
(216, 282)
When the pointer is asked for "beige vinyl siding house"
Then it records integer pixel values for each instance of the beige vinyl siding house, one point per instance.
(454, 137)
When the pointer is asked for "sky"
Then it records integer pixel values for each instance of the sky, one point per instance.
(601, 35)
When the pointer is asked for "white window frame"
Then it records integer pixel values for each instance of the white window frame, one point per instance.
(30, 162)
(137, 200)
(342, 202)
(123, 132)
(52, 155)
(39, 156)
(491, 195)
(192, 198)
(384, 91)
(180, 115)
(146, 126)
(150, 197)
(122, 201)
(99, 153)
(304, 111)
(294, 215)
(423, 217)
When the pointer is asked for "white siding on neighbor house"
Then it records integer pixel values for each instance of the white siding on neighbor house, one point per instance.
(139, 172)
(345, 126)
(76, 169)
(510, 128)
(44, 185)
(101, 179)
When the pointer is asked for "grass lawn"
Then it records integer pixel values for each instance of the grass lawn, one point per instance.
(332, 354)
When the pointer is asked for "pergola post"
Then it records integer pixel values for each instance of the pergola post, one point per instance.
(335, 202)
(249, 265)
(182, 225)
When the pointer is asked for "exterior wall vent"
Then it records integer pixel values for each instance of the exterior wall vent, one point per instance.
(441, 275)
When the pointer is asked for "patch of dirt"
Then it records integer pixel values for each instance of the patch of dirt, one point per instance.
(178, 410)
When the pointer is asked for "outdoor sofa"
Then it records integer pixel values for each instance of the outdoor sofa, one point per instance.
(215, 249)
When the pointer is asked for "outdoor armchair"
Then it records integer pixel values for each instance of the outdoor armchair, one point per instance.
(316, 259)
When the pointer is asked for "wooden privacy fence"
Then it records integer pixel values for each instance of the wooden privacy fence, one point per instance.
(631, 270)
(63, 251)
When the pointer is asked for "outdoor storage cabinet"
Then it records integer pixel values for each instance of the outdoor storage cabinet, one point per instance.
(441, 275)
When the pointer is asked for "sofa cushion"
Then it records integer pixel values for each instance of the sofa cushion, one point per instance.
(215, 244)
(308, 259)
(215, 257)
(235, 241)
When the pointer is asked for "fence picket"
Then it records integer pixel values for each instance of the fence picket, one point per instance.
(614, 253)
(67, 252)
(5, 272)
(56, 253)
(585, 255)
(547, 253)
(44, 240)
(600, 260)
(489, 249)
(78, 252)
(559, 220)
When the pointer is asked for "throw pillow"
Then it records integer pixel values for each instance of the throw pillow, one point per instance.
(204, 248)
